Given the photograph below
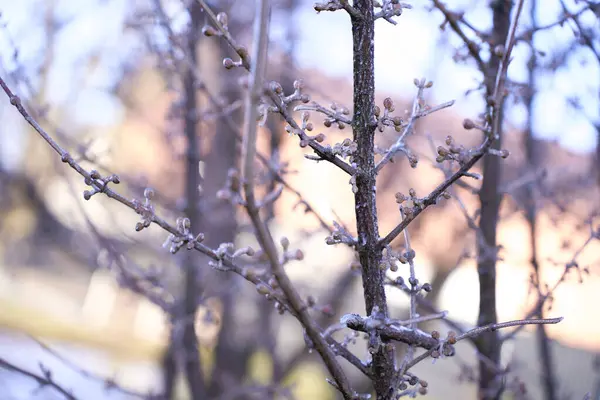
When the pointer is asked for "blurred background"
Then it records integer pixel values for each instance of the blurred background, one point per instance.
(84, 295)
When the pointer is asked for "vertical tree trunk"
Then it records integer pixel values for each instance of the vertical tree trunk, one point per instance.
(231, 354)
(363, 35)
(183, 345)
(276, 126)
(193, 369)
(488, 344)
(546, 364)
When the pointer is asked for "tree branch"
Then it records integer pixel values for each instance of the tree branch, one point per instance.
(43, 380)
(263, 234)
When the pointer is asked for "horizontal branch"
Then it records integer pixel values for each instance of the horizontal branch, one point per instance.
(402, 334)
(415, 337)
(501, 325)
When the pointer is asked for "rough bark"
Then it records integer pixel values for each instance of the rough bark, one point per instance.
(363, 33)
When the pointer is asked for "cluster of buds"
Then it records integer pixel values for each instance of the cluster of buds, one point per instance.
(345, 149)
(417, 386)
(227, 250)
(223, 22)
(233, 188)
(145, 209)
(331, 5)
(422, 83)
(340, 235)
(334, 115)
(319, 138)
(289, 255)
(98, 183)
(297, 94)
(275, 87)
(387, 119)
(269, 288)
(399, 146)
(223, 30)
(389, 9)
(415, 287)
(184, 237)
(411, 203)
(421, 105)
(305, 122)
(454, 152)
(446, 346)
(306, 125)
(458, 153)
(390, 259)
(413, 159)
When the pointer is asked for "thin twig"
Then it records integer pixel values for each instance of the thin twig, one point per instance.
(320, 150)
(109, 383)
(43, 380)
(263, 234)
(474, 49)
(501, 325)
(433, 197)
(226, 112)
(242, 52)
(416, 114)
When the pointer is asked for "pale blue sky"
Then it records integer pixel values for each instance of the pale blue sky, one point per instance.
(408, 50)
(403, 52)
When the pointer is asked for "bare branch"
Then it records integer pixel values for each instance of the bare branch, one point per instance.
(494, 327)
(452, 18)
(334, 5)
(264, 237)
(321, 151)
(45, 379)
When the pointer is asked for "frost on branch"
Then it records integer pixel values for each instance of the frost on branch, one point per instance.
(184, 238)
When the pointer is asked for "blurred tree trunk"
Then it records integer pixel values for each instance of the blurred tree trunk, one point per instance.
(231, 354)
(276, 127)
(531, 149)
(183, 346)
(193, 289)
(488, 344)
